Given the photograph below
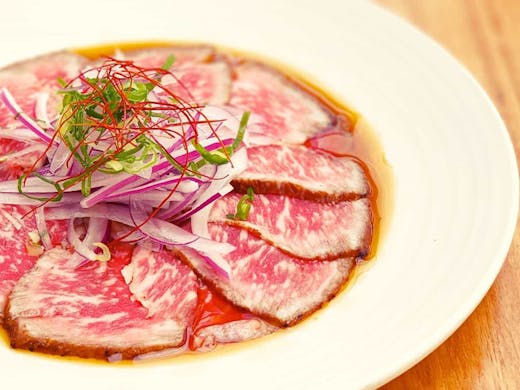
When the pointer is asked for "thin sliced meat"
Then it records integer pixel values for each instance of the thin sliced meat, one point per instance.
(15, 259)
(303, 173)
(25, 88)
(290, 113)
(201, 83)
(302, 228)
(155, 57)
(151, 277)
(91, 312)
(217, 321)
(267, 282)
(25, 80)
(47, 68)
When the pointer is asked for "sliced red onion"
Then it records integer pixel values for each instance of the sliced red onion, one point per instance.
(162, 167)
(40, 109)
(41, 225)
(10, 103)
(218, 188)
(177, 208)
(34, 184)
(140, 192)
(153, 198)
(84, 249)
(59, 158)
(223, 191)
(157, 229)
(102, 193)
(224, 114)
(186, 185)
(255, 134)
(126, 233)
(74, 239)
(16, 198)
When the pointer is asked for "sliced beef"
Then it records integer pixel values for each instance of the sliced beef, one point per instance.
(304, 173)
(289, 113)
(91, 312)
(309, 206)
(201, 83)
(16, 255)
(302, 228)
(26, 81)
(267, 282)
(47, 68)
(38, 75)
(151, 277)
(156, 56)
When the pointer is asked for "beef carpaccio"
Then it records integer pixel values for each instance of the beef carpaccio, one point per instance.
(166, 200)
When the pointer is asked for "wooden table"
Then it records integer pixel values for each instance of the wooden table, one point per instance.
(484, 353)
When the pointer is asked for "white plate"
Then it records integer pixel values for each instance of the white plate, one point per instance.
(456, 190)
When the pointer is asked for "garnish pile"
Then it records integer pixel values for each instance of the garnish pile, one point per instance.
(127, 149)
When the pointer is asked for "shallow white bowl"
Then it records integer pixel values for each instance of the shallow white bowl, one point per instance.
(456, 186)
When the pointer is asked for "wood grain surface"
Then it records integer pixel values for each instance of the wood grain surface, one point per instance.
(484, 353)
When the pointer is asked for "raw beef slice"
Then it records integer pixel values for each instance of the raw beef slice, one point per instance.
(38, 75)
(304, 173)
(91, 311)
(267, 282)
(200, 83)
(290, 114)
(15, 260)
(302, 228)
(26, 81)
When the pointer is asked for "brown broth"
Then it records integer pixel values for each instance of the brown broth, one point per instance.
(358, 140)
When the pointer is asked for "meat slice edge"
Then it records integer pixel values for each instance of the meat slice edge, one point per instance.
(302, 228)
(290, 114)
(89, 311)
(276, 287)
(304, 173)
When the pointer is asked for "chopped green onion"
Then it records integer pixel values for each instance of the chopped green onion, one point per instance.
(55, 198)
(216, 158)
(61, 82)
(241, 130)
(169, 62)
(243, 206)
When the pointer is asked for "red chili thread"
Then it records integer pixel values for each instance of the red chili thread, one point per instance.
(121, 74)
